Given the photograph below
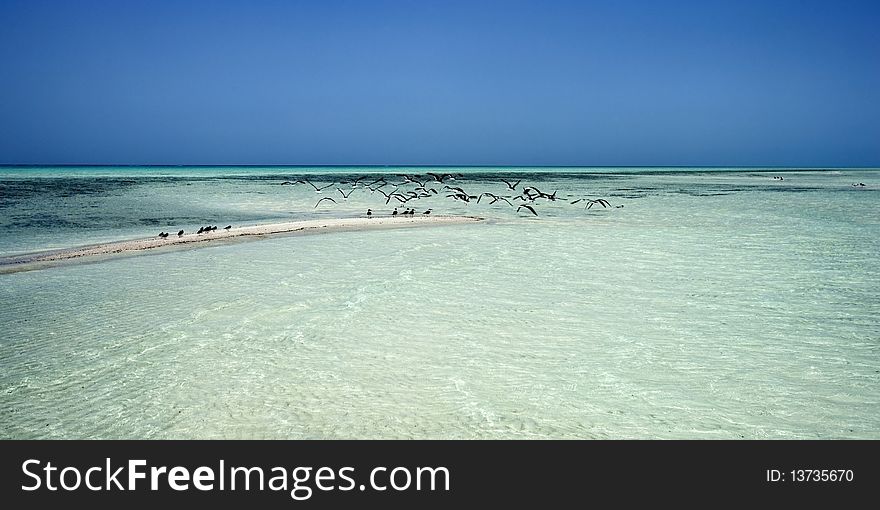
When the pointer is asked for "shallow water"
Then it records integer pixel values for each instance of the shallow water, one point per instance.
(714, 304)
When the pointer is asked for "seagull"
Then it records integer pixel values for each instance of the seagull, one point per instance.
(501, 198)
(487, 194)
(439, 178)
(369, 213)
(201, 229)
(395, 211)
(317, 189)
(427, 212)
(180, 234)
(512, 187)
(325, 198)
(601, 201)
(227, 227)
(530, 208)
(343, 193)
(408, 179)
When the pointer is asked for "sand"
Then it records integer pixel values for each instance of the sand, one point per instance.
(38, 260)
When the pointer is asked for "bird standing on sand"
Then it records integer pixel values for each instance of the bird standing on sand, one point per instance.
(394, 213)
(369, 213)
(427, 212)
(180, 234)
(227, 227)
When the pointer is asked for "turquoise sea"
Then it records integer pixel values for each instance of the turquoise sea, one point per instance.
(716, 303)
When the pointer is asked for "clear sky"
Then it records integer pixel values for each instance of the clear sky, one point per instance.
(422, 82)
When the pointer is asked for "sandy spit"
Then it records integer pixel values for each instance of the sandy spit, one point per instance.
(38, 260)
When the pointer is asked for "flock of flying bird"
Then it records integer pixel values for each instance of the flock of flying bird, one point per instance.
(414, 187)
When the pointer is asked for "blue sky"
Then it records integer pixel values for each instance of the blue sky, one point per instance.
(422, 82)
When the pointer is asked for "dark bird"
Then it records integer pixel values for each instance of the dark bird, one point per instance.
(201, 229)
(317, 189)
(344, 196)
(456, 189)
(227, 227)
(427, 212)
(180, 234)
(214, 227)
(394, 213)
(485, 194)
(163, 234)
(325, 198)
(410, 179)
(439, 178)
(512, 187)
(601, 201)
(501, 198)
(525, 206)
(369, 213)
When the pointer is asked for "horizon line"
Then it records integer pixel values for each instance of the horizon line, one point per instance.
(324, 165)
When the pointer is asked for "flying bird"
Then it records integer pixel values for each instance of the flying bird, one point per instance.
(439, 178)
(525, 206)
(325, 198)
(317, 189)
(601, 201)
(512, 187)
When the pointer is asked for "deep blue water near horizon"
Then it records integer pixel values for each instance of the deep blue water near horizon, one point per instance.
(705, 302)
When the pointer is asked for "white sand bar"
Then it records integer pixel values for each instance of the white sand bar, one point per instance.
(37, 260)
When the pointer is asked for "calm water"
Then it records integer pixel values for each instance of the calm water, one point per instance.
(717, 303)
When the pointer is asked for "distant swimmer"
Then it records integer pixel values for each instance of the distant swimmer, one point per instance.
(180, 233)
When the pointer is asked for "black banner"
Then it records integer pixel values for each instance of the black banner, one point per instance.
(406, 473)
